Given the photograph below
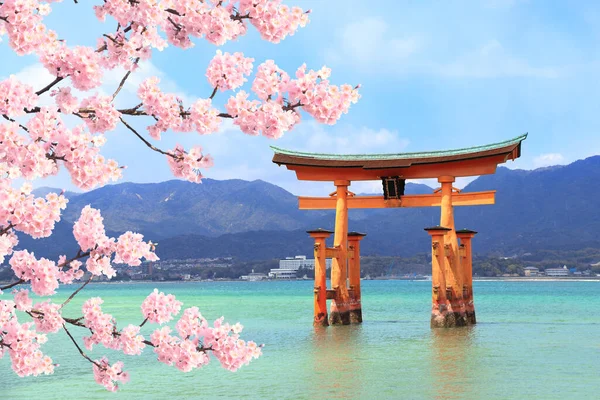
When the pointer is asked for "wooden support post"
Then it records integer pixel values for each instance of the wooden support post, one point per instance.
(355, 306)
(453, 270)
(320, 235)
(465, 236)
(339, 312)
(439, 302)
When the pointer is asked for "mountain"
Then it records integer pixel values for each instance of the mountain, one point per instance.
(212, 208)
(548, 208)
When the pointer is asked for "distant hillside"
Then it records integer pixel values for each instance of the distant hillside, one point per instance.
(549, 208)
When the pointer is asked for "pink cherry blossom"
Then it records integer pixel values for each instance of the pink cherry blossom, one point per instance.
(226, 71)
(67, 103)
(108, 375)
(47, 317)
(104, 116)
(38, 140)
(159, 308)
(15, 97)
(22, 300)
(42, 274)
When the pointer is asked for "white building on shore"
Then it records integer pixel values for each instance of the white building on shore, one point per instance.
(289, 267)
(531, 271)
(557, 271)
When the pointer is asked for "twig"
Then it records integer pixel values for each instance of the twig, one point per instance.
(49, 86)
(12, 284)
(75, 321)
(124, 79)
(6, 117)
(144, 322)
(8, 228)
(214, 92)
(81, 351)
(75, 292)
(147, 143)
(79, 255)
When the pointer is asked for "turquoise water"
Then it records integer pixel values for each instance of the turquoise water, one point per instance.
(534, 340)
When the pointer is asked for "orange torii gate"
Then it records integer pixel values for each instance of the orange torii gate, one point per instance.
(452, 287)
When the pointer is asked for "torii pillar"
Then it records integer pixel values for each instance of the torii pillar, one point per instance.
(439, 302)
(454, 273)
(339, 310)
(320, 235)
(355, 306)
(466, 254)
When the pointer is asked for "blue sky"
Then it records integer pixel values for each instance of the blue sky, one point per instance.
(434, 75)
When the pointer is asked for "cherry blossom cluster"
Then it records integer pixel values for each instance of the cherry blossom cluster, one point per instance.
(24, 212)
(187, 164)
(104, 117)
(81, 63)
(109, 375)
(189, 350)
(159, 308)
(35, 142)
(253, 118)
(65, 101)
(16, 97)
(128, 249)
(226, 71)
(274, 20)
(22, 344)
(47, 317)
(23, 24)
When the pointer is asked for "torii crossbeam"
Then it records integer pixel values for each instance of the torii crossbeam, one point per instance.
(452, 293)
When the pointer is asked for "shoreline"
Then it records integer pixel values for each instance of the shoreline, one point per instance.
(475, 279)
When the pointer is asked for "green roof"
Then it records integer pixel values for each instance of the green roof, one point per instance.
(395, 156)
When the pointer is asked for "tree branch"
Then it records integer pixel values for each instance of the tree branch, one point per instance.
(214, 92)
(6, 117)
(12, 284)
(124, 79)
(147, 143)
(5, 230)
(81, 351)
(50, 85)
(75, 292)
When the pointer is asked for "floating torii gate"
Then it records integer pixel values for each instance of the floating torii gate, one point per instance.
(452, 281)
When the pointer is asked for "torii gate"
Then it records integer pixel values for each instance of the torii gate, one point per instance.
(452, 281)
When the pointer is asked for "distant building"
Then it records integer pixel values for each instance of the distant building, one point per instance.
(253, 277)
(531, 271)
(557, 271)
(290, 266)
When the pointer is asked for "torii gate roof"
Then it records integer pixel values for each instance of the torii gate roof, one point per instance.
(472, 161)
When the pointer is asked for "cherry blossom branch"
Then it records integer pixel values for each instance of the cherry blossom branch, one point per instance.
(50, 85)
(147, 143)
(124, 79)
(6, 117)
(81, 351)
(12, 284)
(75, 321)
(75, 292)
(79, 255)
(144, 322)
(5, 230)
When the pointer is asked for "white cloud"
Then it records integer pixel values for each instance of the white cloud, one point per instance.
(317, 138)
(548, 159)
(490, 61)
(374, 46)
(370, 44)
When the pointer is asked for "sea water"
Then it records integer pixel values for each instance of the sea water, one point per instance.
(533, 340)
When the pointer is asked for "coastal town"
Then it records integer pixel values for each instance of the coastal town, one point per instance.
(301, 267)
